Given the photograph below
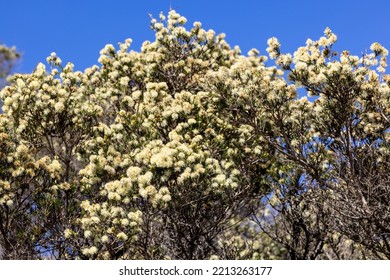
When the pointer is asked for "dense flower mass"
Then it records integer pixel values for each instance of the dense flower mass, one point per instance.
(190, 150)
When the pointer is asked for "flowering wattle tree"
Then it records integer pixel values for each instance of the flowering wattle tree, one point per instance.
(190, 150)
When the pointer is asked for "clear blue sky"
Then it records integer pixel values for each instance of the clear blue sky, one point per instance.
(78, 29)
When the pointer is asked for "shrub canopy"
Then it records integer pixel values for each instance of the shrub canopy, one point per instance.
(190, 150)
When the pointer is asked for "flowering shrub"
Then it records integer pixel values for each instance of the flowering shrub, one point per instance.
(190, 150)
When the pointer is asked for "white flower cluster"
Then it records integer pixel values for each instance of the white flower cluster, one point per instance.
(273, 47)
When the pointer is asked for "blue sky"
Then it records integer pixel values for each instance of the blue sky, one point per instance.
(77, 29)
